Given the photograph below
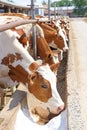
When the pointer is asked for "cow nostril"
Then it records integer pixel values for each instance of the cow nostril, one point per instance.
(60, 108)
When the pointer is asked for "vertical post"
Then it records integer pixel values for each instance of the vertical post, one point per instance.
(55, 10)
(32, 8)
(49, 9)
(34, 31)
(67, 8)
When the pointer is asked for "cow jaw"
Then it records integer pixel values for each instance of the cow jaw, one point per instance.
(41, 112)
(37, 109)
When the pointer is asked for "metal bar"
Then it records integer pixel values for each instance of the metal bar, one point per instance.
(15, 23)
(49, 9)
(55, 10)
(18, 23)
(34, 31)
(32, 8)
(34, 42)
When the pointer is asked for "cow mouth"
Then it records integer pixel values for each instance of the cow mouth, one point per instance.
(52, 115)
(45, 115)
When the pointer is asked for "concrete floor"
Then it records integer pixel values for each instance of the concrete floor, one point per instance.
(77, 84)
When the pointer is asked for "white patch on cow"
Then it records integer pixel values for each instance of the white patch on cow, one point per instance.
(27, 28)
(23, 120)
(64, 38)
(53, 45)
(65, 34)
(40, 32)
(55, 58)
(46, 72)
(61, 54)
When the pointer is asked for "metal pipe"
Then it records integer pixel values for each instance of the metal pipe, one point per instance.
(34, 31)
(32, 9)
(16, 23)
(55, 10)
(49, 9)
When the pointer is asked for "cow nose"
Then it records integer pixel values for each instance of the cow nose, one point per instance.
(60, 108)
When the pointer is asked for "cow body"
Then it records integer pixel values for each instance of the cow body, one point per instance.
(16, 65)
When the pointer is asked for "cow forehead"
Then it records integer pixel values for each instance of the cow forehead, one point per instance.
(47, 74)
(40, 88)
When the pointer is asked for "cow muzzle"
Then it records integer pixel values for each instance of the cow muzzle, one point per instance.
(45, 115)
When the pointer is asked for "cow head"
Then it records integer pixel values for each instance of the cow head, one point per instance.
(54, 34)
(43, 100)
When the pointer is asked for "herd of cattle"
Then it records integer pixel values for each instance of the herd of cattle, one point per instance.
(17, 64)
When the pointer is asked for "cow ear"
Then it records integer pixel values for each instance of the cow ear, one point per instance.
(33, 66)
(54, 67)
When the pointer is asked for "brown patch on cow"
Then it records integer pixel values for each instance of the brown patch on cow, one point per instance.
(18, 74)
(10, 58)
(44, 51)
(49, 59)
(43, 48)
(55, 67)
(40, 87)
(43, 114)
(18, 56)
(33, 66)
(23, 38)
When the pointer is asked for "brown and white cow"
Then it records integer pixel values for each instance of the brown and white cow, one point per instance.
(43, 49)
(19, 31)
(53, 35)
(16, 65)
(22, 34)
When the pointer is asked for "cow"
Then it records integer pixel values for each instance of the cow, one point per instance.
(20, 31)
(17, 66)
(43, 49)
(55, 36)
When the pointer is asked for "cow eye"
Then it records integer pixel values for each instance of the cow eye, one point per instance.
(60, 37)
(44, 86)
